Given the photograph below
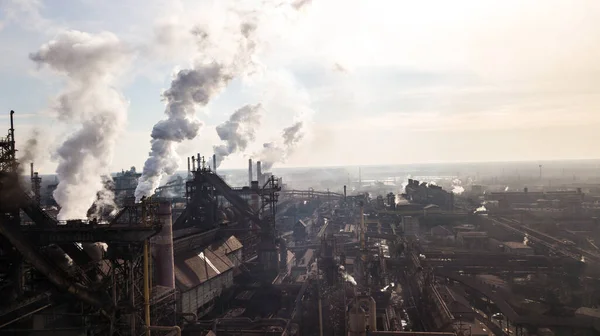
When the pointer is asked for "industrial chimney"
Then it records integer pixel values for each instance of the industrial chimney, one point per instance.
(249, 172)
(215, 163)
(259, 173)
(162, 248)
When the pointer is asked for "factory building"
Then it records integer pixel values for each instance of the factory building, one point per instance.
(410, 225)
(201, 278)
(525, 198)
(425, 193)
(517, 248)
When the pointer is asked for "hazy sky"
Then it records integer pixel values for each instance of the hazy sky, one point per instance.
(380, 81)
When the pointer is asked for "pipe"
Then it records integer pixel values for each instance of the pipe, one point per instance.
(249, 172)
(157, 328)
(12, 132)
(20, 317)
(146, 288)
(53, 274)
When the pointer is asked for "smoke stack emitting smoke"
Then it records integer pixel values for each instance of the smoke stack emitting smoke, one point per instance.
(238, 131)
(90, 62)
(274, 152)
(189, 89)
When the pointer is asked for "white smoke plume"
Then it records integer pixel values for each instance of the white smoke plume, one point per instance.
(274, 152)
(90, 102)
(238, 131)
(105, 205)
(457, 187)
(192, 88)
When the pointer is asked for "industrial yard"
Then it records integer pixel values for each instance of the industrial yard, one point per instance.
(299, 168)
(203, 257)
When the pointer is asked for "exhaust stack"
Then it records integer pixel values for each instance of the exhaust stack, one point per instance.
(215, 163)
(249, 172)
(259, 173)
(162, 248)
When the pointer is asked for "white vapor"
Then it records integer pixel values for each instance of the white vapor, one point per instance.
(457, 187)
(191, 88)
(285, 94)
(92, 105)
(238, 131)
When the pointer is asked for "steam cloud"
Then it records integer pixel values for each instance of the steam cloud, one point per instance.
(273, 152)
(238, 131)
(457, 187)
(191, 88)
(90, 63)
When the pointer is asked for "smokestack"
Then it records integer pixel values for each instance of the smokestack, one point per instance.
(344, 193)
(12, 132)
(198, 161)
(215, 163)
(259, 173)
(32, 171)
(189, 165)
(162, 248)
(193, 163)
(249, 172)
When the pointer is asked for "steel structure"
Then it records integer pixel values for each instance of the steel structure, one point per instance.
(55, 277)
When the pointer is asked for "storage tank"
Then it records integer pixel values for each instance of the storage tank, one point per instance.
(162, 248)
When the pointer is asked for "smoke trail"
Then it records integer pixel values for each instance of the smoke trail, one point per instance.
(31, 151)
(90, 63)
(274, 152)
(238, 131)
(189, 89)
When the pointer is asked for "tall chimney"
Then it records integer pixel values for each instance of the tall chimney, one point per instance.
(193, 163)
(198, 161)
(249, 172)
(162, 248)
(215, 163)
(259, 173)
(188, 165)
(344, 193)
(32, 170)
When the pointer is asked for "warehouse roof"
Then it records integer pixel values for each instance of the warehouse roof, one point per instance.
(227, 246)
(516, 245)
(192, 269)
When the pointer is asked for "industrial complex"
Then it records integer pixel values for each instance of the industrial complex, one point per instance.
(204, 257)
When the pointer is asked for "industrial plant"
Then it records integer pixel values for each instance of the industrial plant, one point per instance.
(200, 256)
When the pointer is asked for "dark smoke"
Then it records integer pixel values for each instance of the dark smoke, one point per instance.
(31, 152)
(238, 131)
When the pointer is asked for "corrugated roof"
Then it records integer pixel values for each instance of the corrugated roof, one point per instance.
(192, 270)
(227, 246)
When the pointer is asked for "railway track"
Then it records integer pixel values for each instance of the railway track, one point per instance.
(550, 242)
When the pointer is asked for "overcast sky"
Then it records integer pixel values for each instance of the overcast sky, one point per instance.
(378, 82)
